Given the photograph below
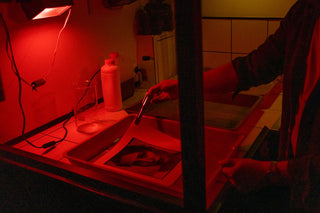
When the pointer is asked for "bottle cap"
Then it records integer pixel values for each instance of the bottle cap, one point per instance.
(109, 61)
(114, 55)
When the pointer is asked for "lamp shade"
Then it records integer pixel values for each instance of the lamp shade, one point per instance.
(36, 9)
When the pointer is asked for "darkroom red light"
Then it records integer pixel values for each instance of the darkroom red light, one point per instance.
(51, 12)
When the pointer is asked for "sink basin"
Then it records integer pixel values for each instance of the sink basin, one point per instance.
(221, 111)
(219, 145)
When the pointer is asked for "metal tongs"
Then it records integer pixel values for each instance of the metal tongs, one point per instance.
(145, 102)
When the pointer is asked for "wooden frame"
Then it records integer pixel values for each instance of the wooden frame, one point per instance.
(189, 62)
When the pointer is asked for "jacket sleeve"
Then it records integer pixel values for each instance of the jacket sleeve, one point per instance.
(304, 168)
(265, 63)
(304, 183)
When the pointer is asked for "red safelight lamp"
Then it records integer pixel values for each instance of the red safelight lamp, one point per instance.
(37, 9)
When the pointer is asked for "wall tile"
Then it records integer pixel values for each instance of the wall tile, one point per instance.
(248, 35)
(212, 59)
(216, 35)
(236, 55)
(273, 26)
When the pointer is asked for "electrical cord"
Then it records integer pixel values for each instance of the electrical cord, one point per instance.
(53, 143)
(85, 92)
(10, 54)
(14, 67)
(42, 81)
(12, 64)
(57, 44)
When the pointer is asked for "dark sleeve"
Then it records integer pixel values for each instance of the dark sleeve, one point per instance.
(304, 183)
(265, 63)
(304, 169)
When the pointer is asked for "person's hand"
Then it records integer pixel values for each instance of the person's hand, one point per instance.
(245, 174)
(165, 90)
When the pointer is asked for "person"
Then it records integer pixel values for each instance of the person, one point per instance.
(292, 51)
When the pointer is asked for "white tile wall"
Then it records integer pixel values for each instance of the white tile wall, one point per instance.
(236, 55)
(216, 35)
(223, 39)
(213, 59)
(248, 35)
(273, 25)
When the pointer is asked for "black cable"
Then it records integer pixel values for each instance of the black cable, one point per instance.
(16, 72)
(34, 84)
(85, 92)
(14, 65)
(53, 143)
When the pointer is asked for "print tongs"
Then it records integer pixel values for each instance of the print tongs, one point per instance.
(145, 102)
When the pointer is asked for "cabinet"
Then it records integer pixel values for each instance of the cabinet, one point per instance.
(157, 57)
(165, 56)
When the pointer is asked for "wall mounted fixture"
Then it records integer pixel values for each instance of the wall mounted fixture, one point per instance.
(116, 3)
(38, 9)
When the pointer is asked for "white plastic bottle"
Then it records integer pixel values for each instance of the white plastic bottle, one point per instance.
(111, 87)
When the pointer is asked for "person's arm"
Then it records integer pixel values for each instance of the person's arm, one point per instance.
(165, 90)
(220, 80)
(216, 81)
(248, 174)
(265, 63)
(260, 66)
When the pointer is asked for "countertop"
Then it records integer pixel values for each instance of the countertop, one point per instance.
(266, 114)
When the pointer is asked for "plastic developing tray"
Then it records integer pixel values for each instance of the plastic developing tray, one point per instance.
(102, 152)
(222, 111)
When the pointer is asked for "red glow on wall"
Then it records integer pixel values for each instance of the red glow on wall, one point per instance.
(51, 12)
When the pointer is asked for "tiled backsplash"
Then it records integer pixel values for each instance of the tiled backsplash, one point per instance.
(226, 39)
